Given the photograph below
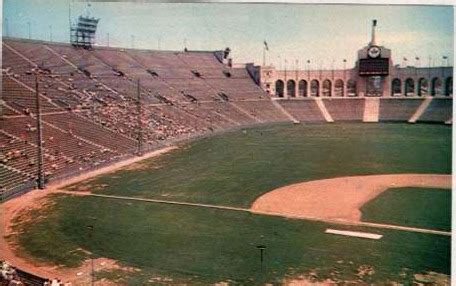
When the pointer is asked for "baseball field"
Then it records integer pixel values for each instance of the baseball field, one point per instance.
(200, 213)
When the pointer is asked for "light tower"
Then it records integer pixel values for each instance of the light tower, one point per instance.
(82, 34)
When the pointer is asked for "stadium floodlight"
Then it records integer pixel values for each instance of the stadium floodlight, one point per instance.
(139, 119)
(6, 27)
(83, 33)
(29, 25)
(40, 152)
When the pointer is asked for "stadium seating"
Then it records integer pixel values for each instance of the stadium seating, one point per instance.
(398, 109)
(12, 179)
(262, 110)
(439, 110)
(345, 109)
(15, 276)
(22, 99)
(94, 133)
(303, 110)
(89, 105)
(232, 111)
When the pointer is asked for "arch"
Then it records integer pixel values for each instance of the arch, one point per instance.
(302, 87)
(423, 87)
(396, 88)
(351, 87)
(339, 88)
(314, 88)
(436, 86)
(409, 87)
(279, 87)
(449, 86)
(326, 90)
(291, 88)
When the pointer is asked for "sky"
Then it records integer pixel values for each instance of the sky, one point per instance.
(295, 33)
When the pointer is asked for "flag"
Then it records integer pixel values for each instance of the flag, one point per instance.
(266, 45)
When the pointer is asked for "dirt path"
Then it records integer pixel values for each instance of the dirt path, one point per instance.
(35, 199)
(339, 198)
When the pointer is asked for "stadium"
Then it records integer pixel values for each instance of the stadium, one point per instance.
(132, 166)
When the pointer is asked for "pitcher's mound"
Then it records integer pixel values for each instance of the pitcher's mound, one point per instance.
(339, 198)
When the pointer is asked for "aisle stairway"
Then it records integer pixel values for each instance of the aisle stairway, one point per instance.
(281, 109)
(323, 110)
(420, 110)
(371, 109)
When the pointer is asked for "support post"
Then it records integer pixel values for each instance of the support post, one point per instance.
(344, 87)
(40, 177)
(29, 30)
(139, 119)
(92, 255)
(6, 27)
(261, 248)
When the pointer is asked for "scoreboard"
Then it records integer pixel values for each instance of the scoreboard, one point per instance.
(373, 67)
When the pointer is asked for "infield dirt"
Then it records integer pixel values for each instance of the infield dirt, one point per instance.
(339, 198)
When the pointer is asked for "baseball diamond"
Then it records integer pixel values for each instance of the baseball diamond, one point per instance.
(135, 166)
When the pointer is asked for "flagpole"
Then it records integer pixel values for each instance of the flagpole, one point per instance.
(264, 55)
(429, 68)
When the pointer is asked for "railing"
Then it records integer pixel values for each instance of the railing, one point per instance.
(30, 279)
(17, 191)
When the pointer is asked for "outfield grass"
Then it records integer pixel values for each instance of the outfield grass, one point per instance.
(200, 245)
(237, 167)
(208, 245)
(418, 207)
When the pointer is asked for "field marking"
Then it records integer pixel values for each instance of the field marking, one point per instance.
(359, 223)
(251, 211)
(159, 201)
(354, 233)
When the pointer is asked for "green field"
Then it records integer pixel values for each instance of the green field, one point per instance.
(204, 245)
(235, 168)
(417, 207)
(193, 244)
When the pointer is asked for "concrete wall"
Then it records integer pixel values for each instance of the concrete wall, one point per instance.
(267, 77)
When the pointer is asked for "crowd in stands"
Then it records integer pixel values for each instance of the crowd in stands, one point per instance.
(88, 98)
(56, 282)
(9, 275)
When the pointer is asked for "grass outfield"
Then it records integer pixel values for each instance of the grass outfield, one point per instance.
(237, 167)
(200, 245)
(431, 208)
(208, 245)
